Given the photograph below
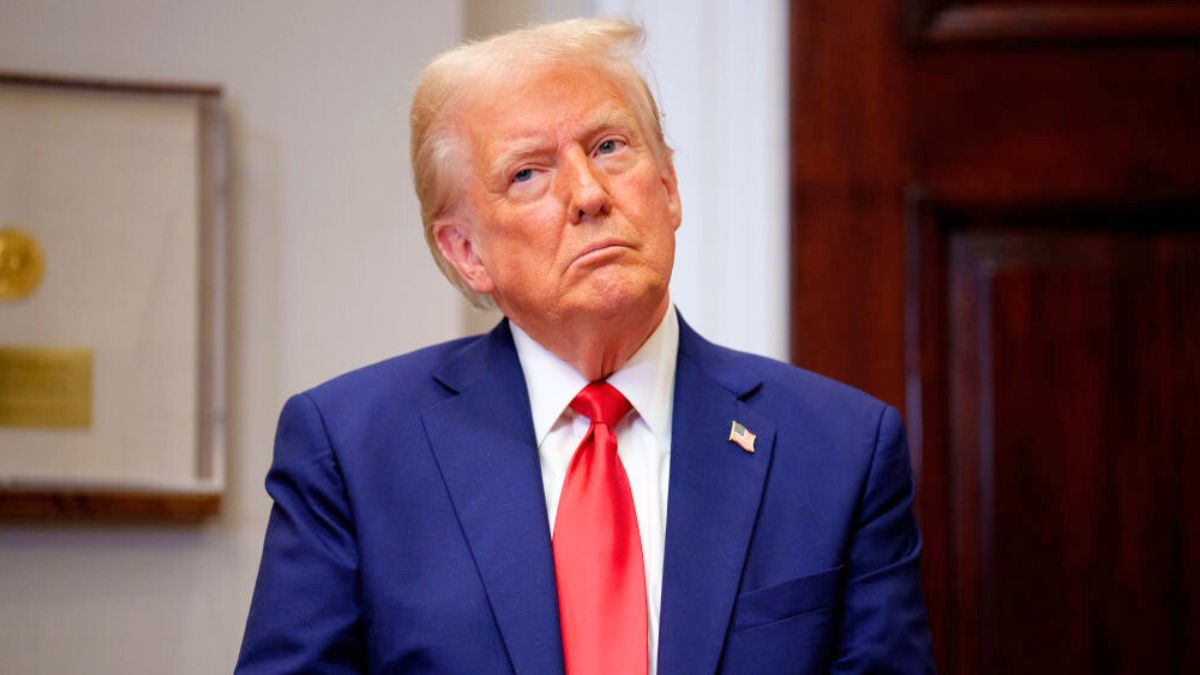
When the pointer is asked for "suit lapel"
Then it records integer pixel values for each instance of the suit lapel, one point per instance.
(715, 489)
(483, 440)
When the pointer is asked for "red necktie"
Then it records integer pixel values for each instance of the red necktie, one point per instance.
(597, 550)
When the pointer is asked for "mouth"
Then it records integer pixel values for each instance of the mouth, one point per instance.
(600, 249)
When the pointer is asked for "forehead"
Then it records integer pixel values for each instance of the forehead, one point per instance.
(547, 101)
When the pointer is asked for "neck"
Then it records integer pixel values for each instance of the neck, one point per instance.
(597, 347)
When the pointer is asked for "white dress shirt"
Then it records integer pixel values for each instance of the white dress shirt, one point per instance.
(647, 381)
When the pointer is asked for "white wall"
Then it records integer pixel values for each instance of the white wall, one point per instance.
(328, 271)
(488, 17)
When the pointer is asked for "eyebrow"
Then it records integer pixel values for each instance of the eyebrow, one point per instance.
(516, 150)
(525, 146)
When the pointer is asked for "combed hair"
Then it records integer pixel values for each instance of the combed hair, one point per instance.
(439, 159)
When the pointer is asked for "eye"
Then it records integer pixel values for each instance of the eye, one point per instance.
(522, 175)
(608, 146)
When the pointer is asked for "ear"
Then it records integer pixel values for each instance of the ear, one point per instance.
(671, 186)
(452, 235)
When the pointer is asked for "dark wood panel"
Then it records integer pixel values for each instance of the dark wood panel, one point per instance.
(847, 194)
(1071, 385)
(941, 23)
(926, 391)
(1048, 126)
(1017, 127)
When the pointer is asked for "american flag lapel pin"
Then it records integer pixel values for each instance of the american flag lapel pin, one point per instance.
(739, 434)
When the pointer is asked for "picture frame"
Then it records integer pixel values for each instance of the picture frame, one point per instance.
(112, 299)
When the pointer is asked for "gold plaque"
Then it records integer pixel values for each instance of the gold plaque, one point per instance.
(45, 387)
(21, 264)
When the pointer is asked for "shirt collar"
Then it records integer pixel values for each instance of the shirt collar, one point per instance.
(647, 379)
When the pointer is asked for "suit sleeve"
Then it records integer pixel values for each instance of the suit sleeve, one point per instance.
(305, 613)
(883, 626)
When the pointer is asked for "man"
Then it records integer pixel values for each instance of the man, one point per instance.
(591, 487)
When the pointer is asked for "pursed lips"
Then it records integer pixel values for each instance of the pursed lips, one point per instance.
(599, 247)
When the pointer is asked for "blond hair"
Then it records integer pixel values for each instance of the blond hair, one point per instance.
(439, 158)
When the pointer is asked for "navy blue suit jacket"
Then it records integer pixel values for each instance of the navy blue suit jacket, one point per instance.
(409, 531)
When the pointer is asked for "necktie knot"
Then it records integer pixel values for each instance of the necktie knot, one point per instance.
(601, 403)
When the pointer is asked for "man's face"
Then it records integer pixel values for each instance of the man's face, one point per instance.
(569, 213)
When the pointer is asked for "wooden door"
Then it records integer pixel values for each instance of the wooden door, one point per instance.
(996, 227)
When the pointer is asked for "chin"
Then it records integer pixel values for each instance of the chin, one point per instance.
(617, 298)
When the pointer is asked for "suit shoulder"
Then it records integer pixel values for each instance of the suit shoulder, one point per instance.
(802, 391)
(395, 379)
(814, 415)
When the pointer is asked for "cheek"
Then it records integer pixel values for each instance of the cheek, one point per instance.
(526, 237)
(651, 195)
(654, 214)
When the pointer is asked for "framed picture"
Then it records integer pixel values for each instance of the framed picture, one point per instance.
(111, 299)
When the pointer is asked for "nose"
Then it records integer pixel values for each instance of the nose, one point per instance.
(587, 197)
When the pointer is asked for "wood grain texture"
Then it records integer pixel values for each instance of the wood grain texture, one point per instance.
(1019, 127)
(847, 194)
(1067, 344)
(945, 23)
(104, 505)
(1042, 292)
